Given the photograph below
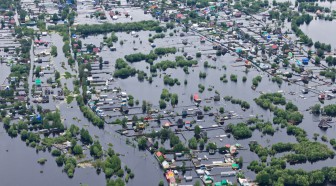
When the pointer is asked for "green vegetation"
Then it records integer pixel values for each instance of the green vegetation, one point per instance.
(180, 61)
(277, 79)
(256, 80)
(156, 36)
(243, 104)
(166, 96)
(132, 58)
(42, 161)
(164, 51)
(110, 40)
(201, 88)
(167, 80)
(329, 73)
(96, 150)
(330, 110)
(123, 70)
(240, 130)
(223, 78)
(116, 27)
(233, 77)
(264, 127)
(88, 113)
(202, 75)
(56, 152)
(251, 6)
(53, 51)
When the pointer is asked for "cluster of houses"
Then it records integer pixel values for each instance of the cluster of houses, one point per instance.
(171, 163)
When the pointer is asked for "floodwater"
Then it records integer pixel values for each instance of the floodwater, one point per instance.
(4, 72)
(18, 165)
(240, 90)
(18, 160)
(315, 29)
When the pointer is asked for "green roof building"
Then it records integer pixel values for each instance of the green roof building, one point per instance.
(38, 82)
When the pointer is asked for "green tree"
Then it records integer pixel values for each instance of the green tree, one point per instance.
(144, 106)
(263, 178)
(316, 109)
(85, 136)
(201, 144)
(77, 150)
(197, 131)
(142, 143)
(193, 143)
(174, 140)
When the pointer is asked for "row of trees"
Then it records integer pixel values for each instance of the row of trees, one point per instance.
(180, 61)
(164, 51)
(132, 58)
(116, 27)
(89, 114)
(243, 104)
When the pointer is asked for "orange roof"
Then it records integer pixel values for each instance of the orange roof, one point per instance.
(169, 174)
(158, 153)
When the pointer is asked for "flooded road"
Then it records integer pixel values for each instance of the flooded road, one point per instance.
(4, 72)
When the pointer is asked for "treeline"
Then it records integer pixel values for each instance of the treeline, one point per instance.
(276, 174)
(251, 6)
(329, 73)
(164, 51)
(180, 61)
(156, 36)
(117, 27)
(296, 22)
(312, 8)
(151, 57)
(322, 46)
(243, 104)
(89, 114)
(137, 57)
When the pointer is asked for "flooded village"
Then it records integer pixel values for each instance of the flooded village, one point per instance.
(167, 92)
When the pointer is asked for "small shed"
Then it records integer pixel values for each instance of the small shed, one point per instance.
(38, 82)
